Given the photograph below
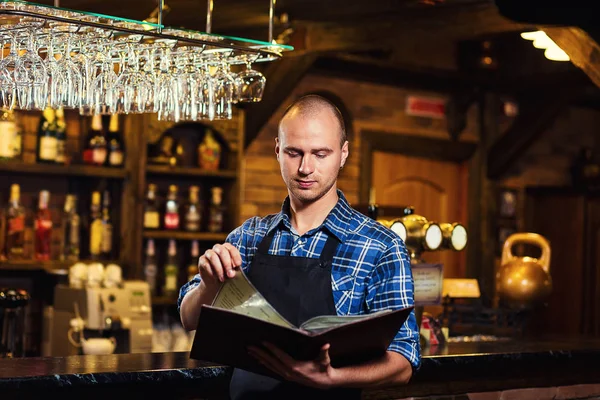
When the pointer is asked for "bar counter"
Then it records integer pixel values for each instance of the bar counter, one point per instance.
(456, 369)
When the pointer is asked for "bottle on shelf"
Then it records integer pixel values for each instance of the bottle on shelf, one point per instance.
(151, 212)
(107, 228)
(116, 145)
(192, 218)
(15, 225)
(47, 144)
(10, 136)
(95, 227)
(71, 225)
(43, 228)
(209, 152)
(95, 144)
(192, 268)
(215, 215)
(150, 267)
(61, 137)
(171, 271)
(171, 219)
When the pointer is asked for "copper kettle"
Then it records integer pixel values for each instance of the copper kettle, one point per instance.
(524, 281)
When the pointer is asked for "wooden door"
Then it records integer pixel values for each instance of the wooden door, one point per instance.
(436, 189)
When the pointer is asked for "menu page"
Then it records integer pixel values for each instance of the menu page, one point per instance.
(239, 295)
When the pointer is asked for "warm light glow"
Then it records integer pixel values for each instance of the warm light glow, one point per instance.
(555, 53)
(530, 35)
(542, 41)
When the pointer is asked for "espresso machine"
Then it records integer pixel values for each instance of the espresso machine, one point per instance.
(123, 314)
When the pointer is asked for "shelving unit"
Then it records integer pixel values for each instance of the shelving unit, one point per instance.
(128, 187)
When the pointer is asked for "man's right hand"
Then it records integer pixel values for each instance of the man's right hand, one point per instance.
(218, 263)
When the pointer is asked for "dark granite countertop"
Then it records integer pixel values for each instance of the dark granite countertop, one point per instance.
(456, 368)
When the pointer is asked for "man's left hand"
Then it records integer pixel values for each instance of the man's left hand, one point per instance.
(317, 373)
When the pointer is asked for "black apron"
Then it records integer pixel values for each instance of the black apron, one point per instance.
(299, 288)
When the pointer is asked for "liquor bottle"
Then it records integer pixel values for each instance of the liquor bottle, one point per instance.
(150, 267)
(192, 268)
(151, 213)
(71, 225)
(171, 219)
(95, 227)
(171, 271)
(47, 144)
(61, 137)
(15, 225)
(116, 145)
(95, 146)
(193, 211)
(43, 228)
(107, 228)
(215, 215)
(10, 136)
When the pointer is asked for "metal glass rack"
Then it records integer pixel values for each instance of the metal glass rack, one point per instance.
(17, 15)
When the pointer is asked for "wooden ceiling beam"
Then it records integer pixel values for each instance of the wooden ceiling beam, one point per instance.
(536, 115)
(582, 49)
(282, 77)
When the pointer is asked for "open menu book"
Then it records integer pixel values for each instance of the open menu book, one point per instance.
(240, 316)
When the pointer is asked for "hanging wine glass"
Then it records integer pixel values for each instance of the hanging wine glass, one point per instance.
(250, 84)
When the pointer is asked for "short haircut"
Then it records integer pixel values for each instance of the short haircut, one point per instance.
(311, 104)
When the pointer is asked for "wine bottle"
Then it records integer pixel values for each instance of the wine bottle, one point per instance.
(10, 136)
(215, 215)
(171, 270)
(116, 146)
(193, 211)
(150, 267)
(15, 225)
(171, 218)
(61, 137)
(95, 227)
(95, 146)
(71, 230)
(192, 268)
(43, 228)
(151, 212)
(107, 228)
(47, 145)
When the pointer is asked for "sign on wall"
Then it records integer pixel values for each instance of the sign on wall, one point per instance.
(430, 107)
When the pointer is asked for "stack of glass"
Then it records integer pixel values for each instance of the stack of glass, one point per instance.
(54, 57)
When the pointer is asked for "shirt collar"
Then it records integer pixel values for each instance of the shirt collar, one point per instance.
(337, 221)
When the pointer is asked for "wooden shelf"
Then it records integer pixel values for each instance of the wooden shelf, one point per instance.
(164, 301)
(189, 171)
(182, 235)
(32, 265)
(68, 170)
(54, 265)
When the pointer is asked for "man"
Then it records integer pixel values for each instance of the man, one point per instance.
(317, 256)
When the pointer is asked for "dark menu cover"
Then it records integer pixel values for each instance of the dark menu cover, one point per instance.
(222, 336)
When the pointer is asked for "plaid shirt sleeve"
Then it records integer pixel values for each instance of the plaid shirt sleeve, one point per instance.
(237, 238)
(391, 287)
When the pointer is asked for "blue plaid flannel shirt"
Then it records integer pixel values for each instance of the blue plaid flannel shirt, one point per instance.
(370, 271)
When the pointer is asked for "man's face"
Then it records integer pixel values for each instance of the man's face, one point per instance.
(309, 154)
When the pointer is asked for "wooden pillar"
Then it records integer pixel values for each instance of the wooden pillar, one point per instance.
(482, 201)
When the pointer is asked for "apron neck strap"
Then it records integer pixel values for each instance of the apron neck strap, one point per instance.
(326, 255)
